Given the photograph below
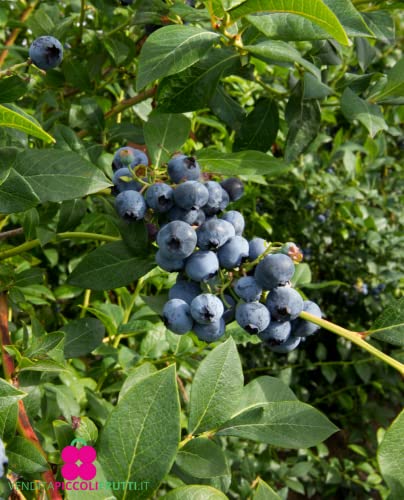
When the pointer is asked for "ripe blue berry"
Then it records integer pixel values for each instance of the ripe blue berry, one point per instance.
(274, 270)
(3, 459)
(206, 308)
(236, 219)
(233, 252)
(184, 290)
(253, 317)
(128, 156)
(177, 316)
(123, 181)
(193, 217)
(229, 308)
(191, 194)
(289, 345)
(303, 328)
(183, 167)
(257, 247)
(284, 303)
(201, 265)
(215, 199)
(276, 331)
(130, 205)
(46, 52)
(169, 264)
(214, 233)
(177, 240)
(210, 332)
(248, 289)
(225, 200)
(234, 188)
(159, 197)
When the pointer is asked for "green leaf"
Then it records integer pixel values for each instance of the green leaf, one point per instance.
(104, 493)
(278, 51)
(170, 50)
(265, 492)
(195, 492)
(134, 376)
(302, 275)
(390, 457)
(141, 435)
(16, 195)
(8, 421)
(110, 266)
(56, 175)
(288, 424)
(82, 336)
(9, 394)
(164, 134)
(12, 88)
(242, 163)
(369, 115)
(393, 84)
(259, 129)
(202, 458)
(216, 388)
(391, 322)
(226, 108)
(315, 11)
(43, 346)
(264, 390)
(16, 118)
(193, 88)
(24, 458)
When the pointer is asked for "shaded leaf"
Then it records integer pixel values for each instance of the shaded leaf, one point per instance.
(391, 321)
(82, 336)
(202, 458)
(16, 194)
(391, 459)
(24, 458)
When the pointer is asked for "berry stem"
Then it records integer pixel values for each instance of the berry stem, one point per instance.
(355, 338)
(15, 67)
(28, 245)
(24, 426)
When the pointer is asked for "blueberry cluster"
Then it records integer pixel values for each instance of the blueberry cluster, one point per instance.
(222, 276)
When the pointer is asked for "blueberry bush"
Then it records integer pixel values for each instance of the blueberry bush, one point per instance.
(201, 235)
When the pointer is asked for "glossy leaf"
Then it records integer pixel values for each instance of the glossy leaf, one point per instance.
(315, 10)
(393, 84)
(170, 50)
(13, 117)
(288, 424)
(390, 457)
(264, 492)
(202, 458)
(141, 435)
(24, 457)
(16, 195)
(110, 266)
(82, 336)
(216, 388)
(391, 324)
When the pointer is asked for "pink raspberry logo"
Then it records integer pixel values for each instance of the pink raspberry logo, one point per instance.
(78, 462)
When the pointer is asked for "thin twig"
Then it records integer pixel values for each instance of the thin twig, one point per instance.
(11, 233)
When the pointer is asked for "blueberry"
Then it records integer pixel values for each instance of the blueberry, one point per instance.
(210, 332)
(303, 328)
(321, 218)
(159, 197)
(3, 459)
(236, 219)
(225, 200)
(248, 289)
(233, 252)
(253, 317)
(177, 316)
(128, 156)
(183, 167)
(229, 308)
(130, 205)
(215, 199)
(191, 194)
(169, 264)
(289, 345)
(46, 52)
(274, 270)
(126, 2)
(234, 188)
(276, 332)
(257, 247)
(206, 308)
(123, 181)
(184, 290)
(214, 233)
(284, 303)
(201, 265)
(177, 240)
(193, 217)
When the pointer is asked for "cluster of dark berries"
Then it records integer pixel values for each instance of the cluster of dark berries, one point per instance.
(46, 52)
(222, 276)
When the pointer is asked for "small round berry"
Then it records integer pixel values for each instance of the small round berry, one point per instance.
(130, 205)
(234, 188)
(177, 316)
(206, 308)
(46, 52)
(253, 317)
(183, 167)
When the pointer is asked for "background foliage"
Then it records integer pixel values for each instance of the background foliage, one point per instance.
(307, 109)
